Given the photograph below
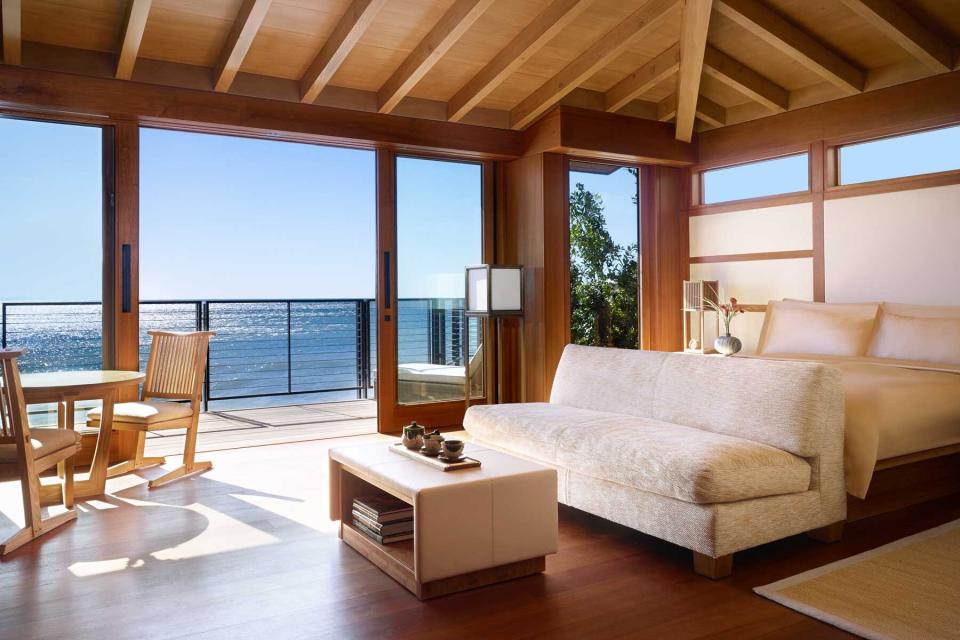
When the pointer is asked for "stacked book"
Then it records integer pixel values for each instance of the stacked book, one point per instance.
(383, 518)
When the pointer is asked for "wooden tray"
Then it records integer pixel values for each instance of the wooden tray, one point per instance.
(436, 463)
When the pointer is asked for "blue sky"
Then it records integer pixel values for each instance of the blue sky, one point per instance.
(51, 211)
(225, 217)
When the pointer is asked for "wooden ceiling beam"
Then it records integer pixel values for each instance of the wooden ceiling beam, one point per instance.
(244, 30)
(643, 79)
(531, 39)
(745, 80)
(706, 110)
(906, 31)
(12, 31)
(133, 29)
(694, 22)
(351, 27)
(710, 112)
(431, 49)
(637, 25)
(773, 29)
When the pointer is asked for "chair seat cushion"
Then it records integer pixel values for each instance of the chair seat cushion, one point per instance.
(671, 460)
(145, 413)
(44, 442)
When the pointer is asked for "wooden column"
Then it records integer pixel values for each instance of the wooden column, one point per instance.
(664, 252)
(121, 261)
(537, 214)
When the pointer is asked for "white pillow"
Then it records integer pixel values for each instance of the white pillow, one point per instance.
(817, 328)
(917, 338)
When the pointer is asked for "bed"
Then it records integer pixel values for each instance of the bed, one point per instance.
(901, 376)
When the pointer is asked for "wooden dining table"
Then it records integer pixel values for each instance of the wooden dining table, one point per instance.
(65, 389)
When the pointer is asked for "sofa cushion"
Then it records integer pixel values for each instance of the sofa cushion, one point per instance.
(788, 405)
(670, 460)
(531, 429)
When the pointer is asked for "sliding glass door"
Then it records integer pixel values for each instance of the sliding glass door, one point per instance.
(437, 221)
(51, 262)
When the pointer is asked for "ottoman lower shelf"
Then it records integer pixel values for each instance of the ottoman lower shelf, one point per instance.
(396, 560)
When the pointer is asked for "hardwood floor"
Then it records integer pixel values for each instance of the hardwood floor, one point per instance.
(246, 551)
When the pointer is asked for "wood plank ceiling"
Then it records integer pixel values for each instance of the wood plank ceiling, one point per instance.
(500, 63)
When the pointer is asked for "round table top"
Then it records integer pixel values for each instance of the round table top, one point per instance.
(78, 380)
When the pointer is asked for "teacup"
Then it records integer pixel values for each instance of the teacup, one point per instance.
(432, 444)
(452, 449)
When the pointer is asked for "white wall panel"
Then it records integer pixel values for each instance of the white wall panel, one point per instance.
(899, 247)
(786, 228)
(759, 281)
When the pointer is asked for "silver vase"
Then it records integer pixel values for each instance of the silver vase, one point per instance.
(727, 345)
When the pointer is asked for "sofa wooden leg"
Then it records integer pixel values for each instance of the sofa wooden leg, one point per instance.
(830, 533)
(713, 568)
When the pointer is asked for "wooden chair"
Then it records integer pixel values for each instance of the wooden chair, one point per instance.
(175, 371)
(25, 454)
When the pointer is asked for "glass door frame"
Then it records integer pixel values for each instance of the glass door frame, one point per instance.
(641, 178)
(391, 415)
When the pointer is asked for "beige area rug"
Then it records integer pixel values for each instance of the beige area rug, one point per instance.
(906, 589)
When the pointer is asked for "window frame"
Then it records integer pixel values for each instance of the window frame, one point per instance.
(913, 181)
(699, 184)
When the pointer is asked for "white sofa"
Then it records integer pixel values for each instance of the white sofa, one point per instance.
(713, 454)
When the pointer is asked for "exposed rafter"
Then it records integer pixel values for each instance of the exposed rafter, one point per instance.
(444, 35)
(11, 31)
(694, 22)
(707, 110)
(903, 28)
(137, 13)
(745, 80)
(531, 39)
(794, 42)
(346, 34)
(244, 30)
(643, 79)
(637, 25)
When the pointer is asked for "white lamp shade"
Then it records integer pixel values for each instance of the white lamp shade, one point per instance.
(494, 290)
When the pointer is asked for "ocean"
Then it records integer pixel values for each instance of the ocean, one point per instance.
(264, 351)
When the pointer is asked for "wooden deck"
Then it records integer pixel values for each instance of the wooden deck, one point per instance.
(246, 551)
(239, 428)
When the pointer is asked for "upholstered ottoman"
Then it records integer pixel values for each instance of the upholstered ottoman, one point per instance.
(472, 527)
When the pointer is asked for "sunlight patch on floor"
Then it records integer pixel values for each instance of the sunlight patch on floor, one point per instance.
(222, 535)
(101, 567)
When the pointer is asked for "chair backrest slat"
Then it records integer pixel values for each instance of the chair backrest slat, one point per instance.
(14, 428)
(177, 364)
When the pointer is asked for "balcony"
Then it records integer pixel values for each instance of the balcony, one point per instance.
(318, 355)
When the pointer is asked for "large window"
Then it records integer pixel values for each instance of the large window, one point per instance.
(51, 214)
(604, 266)
(788, 174)
(901, 156)
(439, 233)
(270, 244)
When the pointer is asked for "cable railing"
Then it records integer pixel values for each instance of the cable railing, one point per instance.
(263, 348)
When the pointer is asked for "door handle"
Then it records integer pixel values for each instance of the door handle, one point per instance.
(387, 282)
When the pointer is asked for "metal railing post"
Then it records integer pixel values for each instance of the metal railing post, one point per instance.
(3, 322)
(203, 321)
(289, 351)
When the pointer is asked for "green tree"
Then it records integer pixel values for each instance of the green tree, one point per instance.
(603, 277)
